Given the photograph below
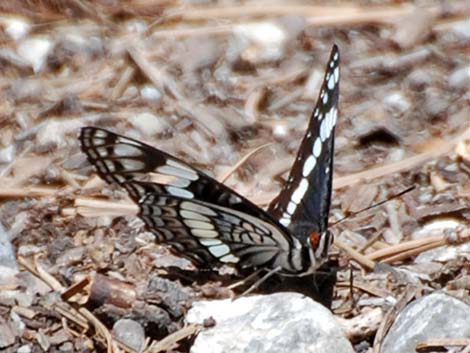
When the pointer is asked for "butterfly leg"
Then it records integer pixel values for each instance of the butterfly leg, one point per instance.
(261, 280)
(246, 279)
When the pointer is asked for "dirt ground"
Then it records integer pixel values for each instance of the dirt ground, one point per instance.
(229, 87)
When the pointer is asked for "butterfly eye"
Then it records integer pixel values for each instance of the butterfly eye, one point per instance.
(314, 238)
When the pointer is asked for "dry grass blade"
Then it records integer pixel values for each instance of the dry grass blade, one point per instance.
(440, 343)
(71, 314)
(410, 248)
(30, 191)
(242, 161)
(100, 329)
(170, 341)
(88, 207)
(404, 247)
(318, 15)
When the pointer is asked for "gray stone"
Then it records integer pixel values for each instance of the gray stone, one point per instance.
(7, 154)
(281, 322)
(434, 316)
(130, 332)
(7, 253)
(460, 78)
(149, 124)
(7, 336)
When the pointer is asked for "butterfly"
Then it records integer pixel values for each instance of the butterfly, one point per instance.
(211, 224)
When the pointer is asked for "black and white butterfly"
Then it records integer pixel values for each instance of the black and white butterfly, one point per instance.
(212, 224)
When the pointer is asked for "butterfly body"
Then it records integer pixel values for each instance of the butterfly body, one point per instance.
(211, 224)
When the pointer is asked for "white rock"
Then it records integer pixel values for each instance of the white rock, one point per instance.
(460, 78)
(35, 51)
(261, 41)
(149, 124)
(24, 349)
(50, 136)
(130, 332)
(434, 316)
(461, 29)
(7, 154)
(136, 26)
(396, 101)
(150, 94)
(16, 27)
(7, 253)
(281, 322)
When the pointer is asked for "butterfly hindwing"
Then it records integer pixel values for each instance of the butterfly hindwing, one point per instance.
(119, 159)
(303, 204)
(211, 234)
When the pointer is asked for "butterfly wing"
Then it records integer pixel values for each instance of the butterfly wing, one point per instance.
(210, 234)
(119, 159)
(303, 204)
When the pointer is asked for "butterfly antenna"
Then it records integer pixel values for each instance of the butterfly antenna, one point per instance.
(401, 193)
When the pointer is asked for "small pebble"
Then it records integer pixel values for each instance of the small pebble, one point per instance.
(460, 78)
(130, 332)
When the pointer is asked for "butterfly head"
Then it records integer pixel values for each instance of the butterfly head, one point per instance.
(318, 245)
(315, 245)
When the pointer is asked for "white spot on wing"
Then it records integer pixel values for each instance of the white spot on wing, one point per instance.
(179, 182)
(99, 134)
(309, 165)
(322, 130)
(174, 171)
(336, 73)
(194, 215)
(102, 152)
(317, 147)
(325, 98)
(285, 221)
(132, 164)
(124, 150)
(331, 82)
(210, 242)
(191, 206)
(198, 224)
(126, 141)
(219, 250)
(291, 207)
(179, 192)
(109, 165)
(300, 191)
(229, 258)
(92, 153)
(204, 233)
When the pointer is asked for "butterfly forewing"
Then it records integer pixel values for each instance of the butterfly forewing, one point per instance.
(119, 159)
(211, 234)
(304, 202)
